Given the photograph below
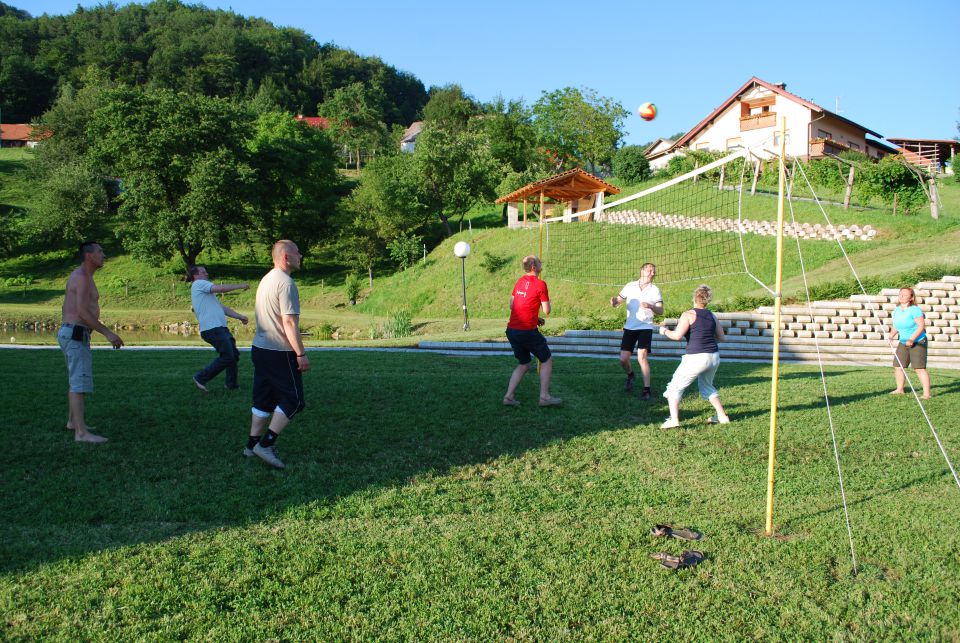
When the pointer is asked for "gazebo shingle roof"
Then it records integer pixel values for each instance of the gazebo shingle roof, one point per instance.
(567, 186)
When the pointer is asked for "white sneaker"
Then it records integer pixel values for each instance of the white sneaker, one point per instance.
(719, 420)
(268, 455)
(670, 423)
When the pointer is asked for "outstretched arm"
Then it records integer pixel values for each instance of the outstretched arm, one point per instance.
(218, 288)
(683, 325)
(230, 312)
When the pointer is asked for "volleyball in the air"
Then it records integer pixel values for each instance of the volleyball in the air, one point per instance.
(647, 111)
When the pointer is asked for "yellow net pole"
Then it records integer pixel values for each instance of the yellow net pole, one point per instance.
(777, 300)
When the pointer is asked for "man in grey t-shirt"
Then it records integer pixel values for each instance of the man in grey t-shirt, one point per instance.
(279, 358)
(212, 317)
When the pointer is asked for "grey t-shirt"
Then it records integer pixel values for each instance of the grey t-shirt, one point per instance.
(277, 295)
(206, 306)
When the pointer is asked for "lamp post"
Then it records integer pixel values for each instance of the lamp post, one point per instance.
(462, 249)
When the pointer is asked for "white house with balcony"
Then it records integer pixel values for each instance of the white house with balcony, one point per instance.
(751, 117)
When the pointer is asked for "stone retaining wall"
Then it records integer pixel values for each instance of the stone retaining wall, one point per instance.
(845, 331)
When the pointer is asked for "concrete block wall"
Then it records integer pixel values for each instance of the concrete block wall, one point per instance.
(850, 331)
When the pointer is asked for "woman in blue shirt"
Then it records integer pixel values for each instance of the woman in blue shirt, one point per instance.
(909, 327)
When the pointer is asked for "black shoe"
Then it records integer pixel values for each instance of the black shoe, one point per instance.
(645, 395)
(628, 385)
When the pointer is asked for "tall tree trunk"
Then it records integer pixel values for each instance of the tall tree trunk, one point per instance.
(446, 223)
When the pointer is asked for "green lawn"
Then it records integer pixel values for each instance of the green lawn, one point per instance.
(415, 506)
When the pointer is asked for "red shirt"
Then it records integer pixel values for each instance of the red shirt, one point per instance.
(528, 292)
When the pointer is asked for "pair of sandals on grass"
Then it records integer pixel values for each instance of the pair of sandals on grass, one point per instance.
(688, 558)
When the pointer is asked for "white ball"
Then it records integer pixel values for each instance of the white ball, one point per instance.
(462, 249)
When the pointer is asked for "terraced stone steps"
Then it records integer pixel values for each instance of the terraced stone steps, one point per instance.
(845, 331)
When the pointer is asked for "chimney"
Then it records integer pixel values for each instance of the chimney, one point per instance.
(782, 86)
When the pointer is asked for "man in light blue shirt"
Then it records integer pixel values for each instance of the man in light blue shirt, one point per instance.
(212, 316)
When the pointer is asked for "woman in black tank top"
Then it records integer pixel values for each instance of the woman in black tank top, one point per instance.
(703, 332)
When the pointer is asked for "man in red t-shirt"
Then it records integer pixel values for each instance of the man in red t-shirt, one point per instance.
(528, 298)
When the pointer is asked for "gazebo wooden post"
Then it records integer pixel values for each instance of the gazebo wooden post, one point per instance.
(542, 206)
(524, 212)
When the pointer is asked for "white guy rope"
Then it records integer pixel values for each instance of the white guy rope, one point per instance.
(826, 396)
(873, 309)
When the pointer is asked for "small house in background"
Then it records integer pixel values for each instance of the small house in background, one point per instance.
(751, 117)
(569, 192)
(20, 135)
(314, 121)
(659, 152)
(409, 140)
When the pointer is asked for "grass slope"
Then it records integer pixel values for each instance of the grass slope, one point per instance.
(136, 293)
(415, 506)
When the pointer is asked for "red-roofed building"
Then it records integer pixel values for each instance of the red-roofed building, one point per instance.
(751, 116)
(19, 135)
(314, 121)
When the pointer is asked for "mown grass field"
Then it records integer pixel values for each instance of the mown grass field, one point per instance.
(415, 506)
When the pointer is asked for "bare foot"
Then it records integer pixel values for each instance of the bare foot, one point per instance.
(70, 427)
(92, 438)
(925, 397)
(896, 392)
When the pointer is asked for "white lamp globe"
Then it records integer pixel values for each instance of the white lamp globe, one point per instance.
(462, 249)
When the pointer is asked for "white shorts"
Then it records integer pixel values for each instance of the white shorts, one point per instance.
(79, 359)
(699, 366)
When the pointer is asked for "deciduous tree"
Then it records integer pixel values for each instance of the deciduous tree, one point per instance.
(578, 126)
(183, 165)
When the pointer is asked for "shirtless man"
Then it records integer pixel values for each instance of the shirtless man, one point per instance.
(81, 315)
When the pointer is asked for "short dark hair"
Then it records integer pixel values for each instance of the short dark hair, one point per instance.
(192, 272)
(87, 247)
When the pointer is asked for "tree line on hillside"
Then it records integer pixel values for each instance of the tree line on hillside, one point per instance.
(171, 128)
(186, 48)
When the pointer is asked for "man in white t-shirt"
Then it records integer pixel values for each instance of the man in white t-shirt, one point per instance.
(643, 302)
(212, 317)
(279, 357)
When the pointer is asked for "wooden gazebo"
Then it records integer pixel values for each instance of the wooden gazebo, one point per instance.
(574, 189)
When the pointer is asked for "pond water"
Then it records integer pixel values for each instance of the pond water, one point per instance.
(132, 337)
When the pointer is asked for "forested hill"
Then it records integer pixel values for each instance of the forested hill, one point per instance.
(189, 48)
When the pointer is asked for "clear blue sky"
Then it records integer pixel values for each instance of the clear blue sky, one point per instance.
(887, 64)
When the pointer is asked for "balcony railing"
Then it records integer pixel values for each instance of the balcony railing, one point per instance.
(758, 121)
(823, 146)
